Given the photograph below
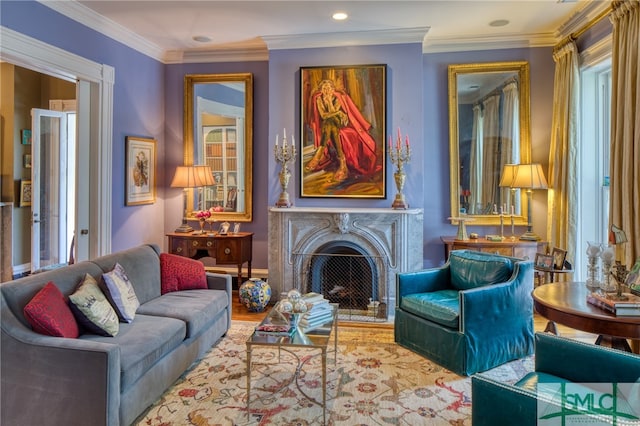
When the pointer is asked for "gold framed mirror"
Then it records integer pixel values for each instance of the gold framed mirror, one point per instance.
(218, 132)
(488, 128)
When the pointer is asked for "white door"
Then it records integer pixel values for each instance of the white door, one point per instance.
(52, 190)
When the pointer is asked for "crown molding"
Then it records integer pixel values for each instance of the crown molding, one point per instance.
(97, 22)
(583, 16)
(31, 53)
(505, 41)
(246, 53)
(350, 38)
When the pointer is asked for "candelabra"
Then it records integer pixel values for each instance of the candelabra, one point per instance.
(399, 156)
(284, 154)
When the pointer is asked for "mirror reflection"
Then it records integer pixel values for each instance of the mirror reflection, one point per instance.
(218, 133)
(489, 128)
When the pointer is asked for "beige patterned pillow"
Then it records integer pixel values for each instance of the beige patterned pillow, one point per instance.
(92, 309)
(120, 293)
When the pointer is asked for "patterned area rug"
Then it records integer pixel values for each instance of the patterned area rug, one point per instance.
(373, 382)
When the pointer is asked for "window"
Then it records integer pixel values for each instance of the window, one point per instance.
(593, 160)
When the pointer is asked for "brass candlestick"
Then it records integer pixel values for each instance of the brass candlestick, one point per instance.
(399, 156)
(284, 154)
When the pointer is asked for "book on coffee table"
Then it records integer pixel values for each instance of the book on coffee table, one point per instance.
(628, 307)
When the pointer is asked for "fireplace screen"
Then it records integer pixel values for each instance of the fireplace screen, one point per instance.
(346, 276)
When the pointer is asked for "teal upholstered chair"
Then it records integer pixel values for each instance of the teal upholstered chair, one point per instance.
(470, 315)
(580, 367)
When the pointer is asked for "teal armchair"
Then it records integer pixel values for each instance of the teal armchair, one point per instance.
(470, 315)
(559, 362)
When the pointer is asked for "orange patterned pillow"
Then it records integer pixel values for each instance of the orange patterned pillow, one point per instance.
(181, 273)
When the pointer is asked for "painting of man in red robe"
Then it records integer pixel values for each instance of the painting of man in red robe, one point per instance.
(343, 132)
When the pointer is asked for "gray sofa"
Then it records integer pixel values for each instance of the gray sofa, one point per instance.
(96, 380)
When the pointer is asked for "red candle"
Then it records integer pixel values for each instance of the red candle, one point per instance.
(407, 141)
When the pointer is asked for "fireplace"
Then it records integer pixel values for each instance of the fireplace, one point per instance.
(351, 256)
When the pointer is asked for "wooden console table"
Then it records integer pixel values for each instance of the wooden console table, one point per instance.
(516, 248)
(230, 249)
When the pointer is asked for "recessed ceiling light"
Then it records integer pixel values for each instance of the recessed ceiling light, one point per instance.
(340, 16)
(201, 39)
(499, 23)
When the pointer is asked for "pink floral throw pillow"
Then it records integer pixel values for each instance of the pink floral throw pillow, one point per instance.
(49, 314)
(181, 273)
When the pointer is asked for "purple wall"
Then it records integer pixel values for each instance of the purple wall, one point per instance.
(404, 110)
(148, 101)
(174, 96)
(138, 107)
(436, 125)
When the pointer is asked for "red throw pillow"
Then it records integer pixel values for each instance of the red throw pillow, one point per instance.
(181, 273)
(49, 314)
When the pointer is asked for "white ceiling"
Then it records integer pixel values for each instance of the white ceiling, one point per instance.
(165, 29)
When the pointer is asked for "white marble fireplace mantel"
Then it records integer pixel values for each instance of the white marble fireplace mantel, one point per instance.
(395, 235)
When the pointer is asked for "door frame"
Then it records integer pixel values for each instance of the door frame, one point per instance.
(95, 123)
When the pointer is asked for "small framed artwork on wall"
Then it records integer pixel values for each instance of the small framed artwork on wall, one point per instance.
(25, 136)
(25, 193)
(140, 171)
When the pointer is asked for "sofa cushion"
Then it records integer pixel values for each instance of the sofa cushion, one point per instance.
(142, 344)
(181, 273)
(92, 309)
(49, 314)
(197, 308)
(120, 293)
(442, 307)
(143, 269)
(471, 270)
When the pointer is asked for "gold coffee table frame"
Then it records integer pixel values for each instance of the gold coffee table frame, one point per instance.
(319, 338)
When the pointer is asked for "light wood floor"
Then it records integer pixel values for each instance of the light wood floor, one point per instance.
(240, 313)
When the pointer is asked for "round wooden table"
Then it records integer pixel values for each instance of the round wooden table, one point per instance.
(566, 304)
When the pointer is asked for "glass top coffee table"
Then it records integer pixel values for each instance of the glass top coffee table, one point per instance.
(319, 337)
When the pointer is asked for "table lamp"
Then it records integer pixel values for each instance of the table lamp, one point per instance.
(529, 177)
(190, 177)
(506, 180)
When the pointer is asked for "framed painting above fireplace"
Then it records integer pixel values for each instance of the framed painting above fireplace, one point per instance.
(342, 109)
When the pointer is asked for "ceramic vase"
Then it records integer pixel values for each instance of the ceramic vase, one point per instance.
(255, 294)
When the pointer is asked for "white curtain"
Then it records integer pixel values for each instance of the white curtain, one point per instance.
(475, 164)
(510, 141)
(491, 140)
(562, 208)
(624, 202)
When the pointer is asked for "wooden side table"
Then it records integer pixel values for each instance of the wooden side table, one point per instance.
(516, 248)
(230, 249)
(566, 304)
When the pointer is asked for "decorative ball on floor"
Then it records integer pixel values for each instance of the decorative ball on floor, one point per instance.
(254, 294)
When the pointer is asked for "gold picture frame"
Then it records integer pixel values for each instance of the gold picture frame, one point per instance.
(343, 131)
(559, 257)
(544, 261)
(25, 193)
(140, 171)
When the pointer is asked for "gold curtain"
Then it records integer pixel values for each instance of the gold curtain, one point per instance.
(562, 207)
(624, 201)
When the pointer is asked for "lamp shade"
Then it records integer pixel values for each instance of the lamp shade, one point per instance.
(192, 177)
(529, 176)
(508, 173)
